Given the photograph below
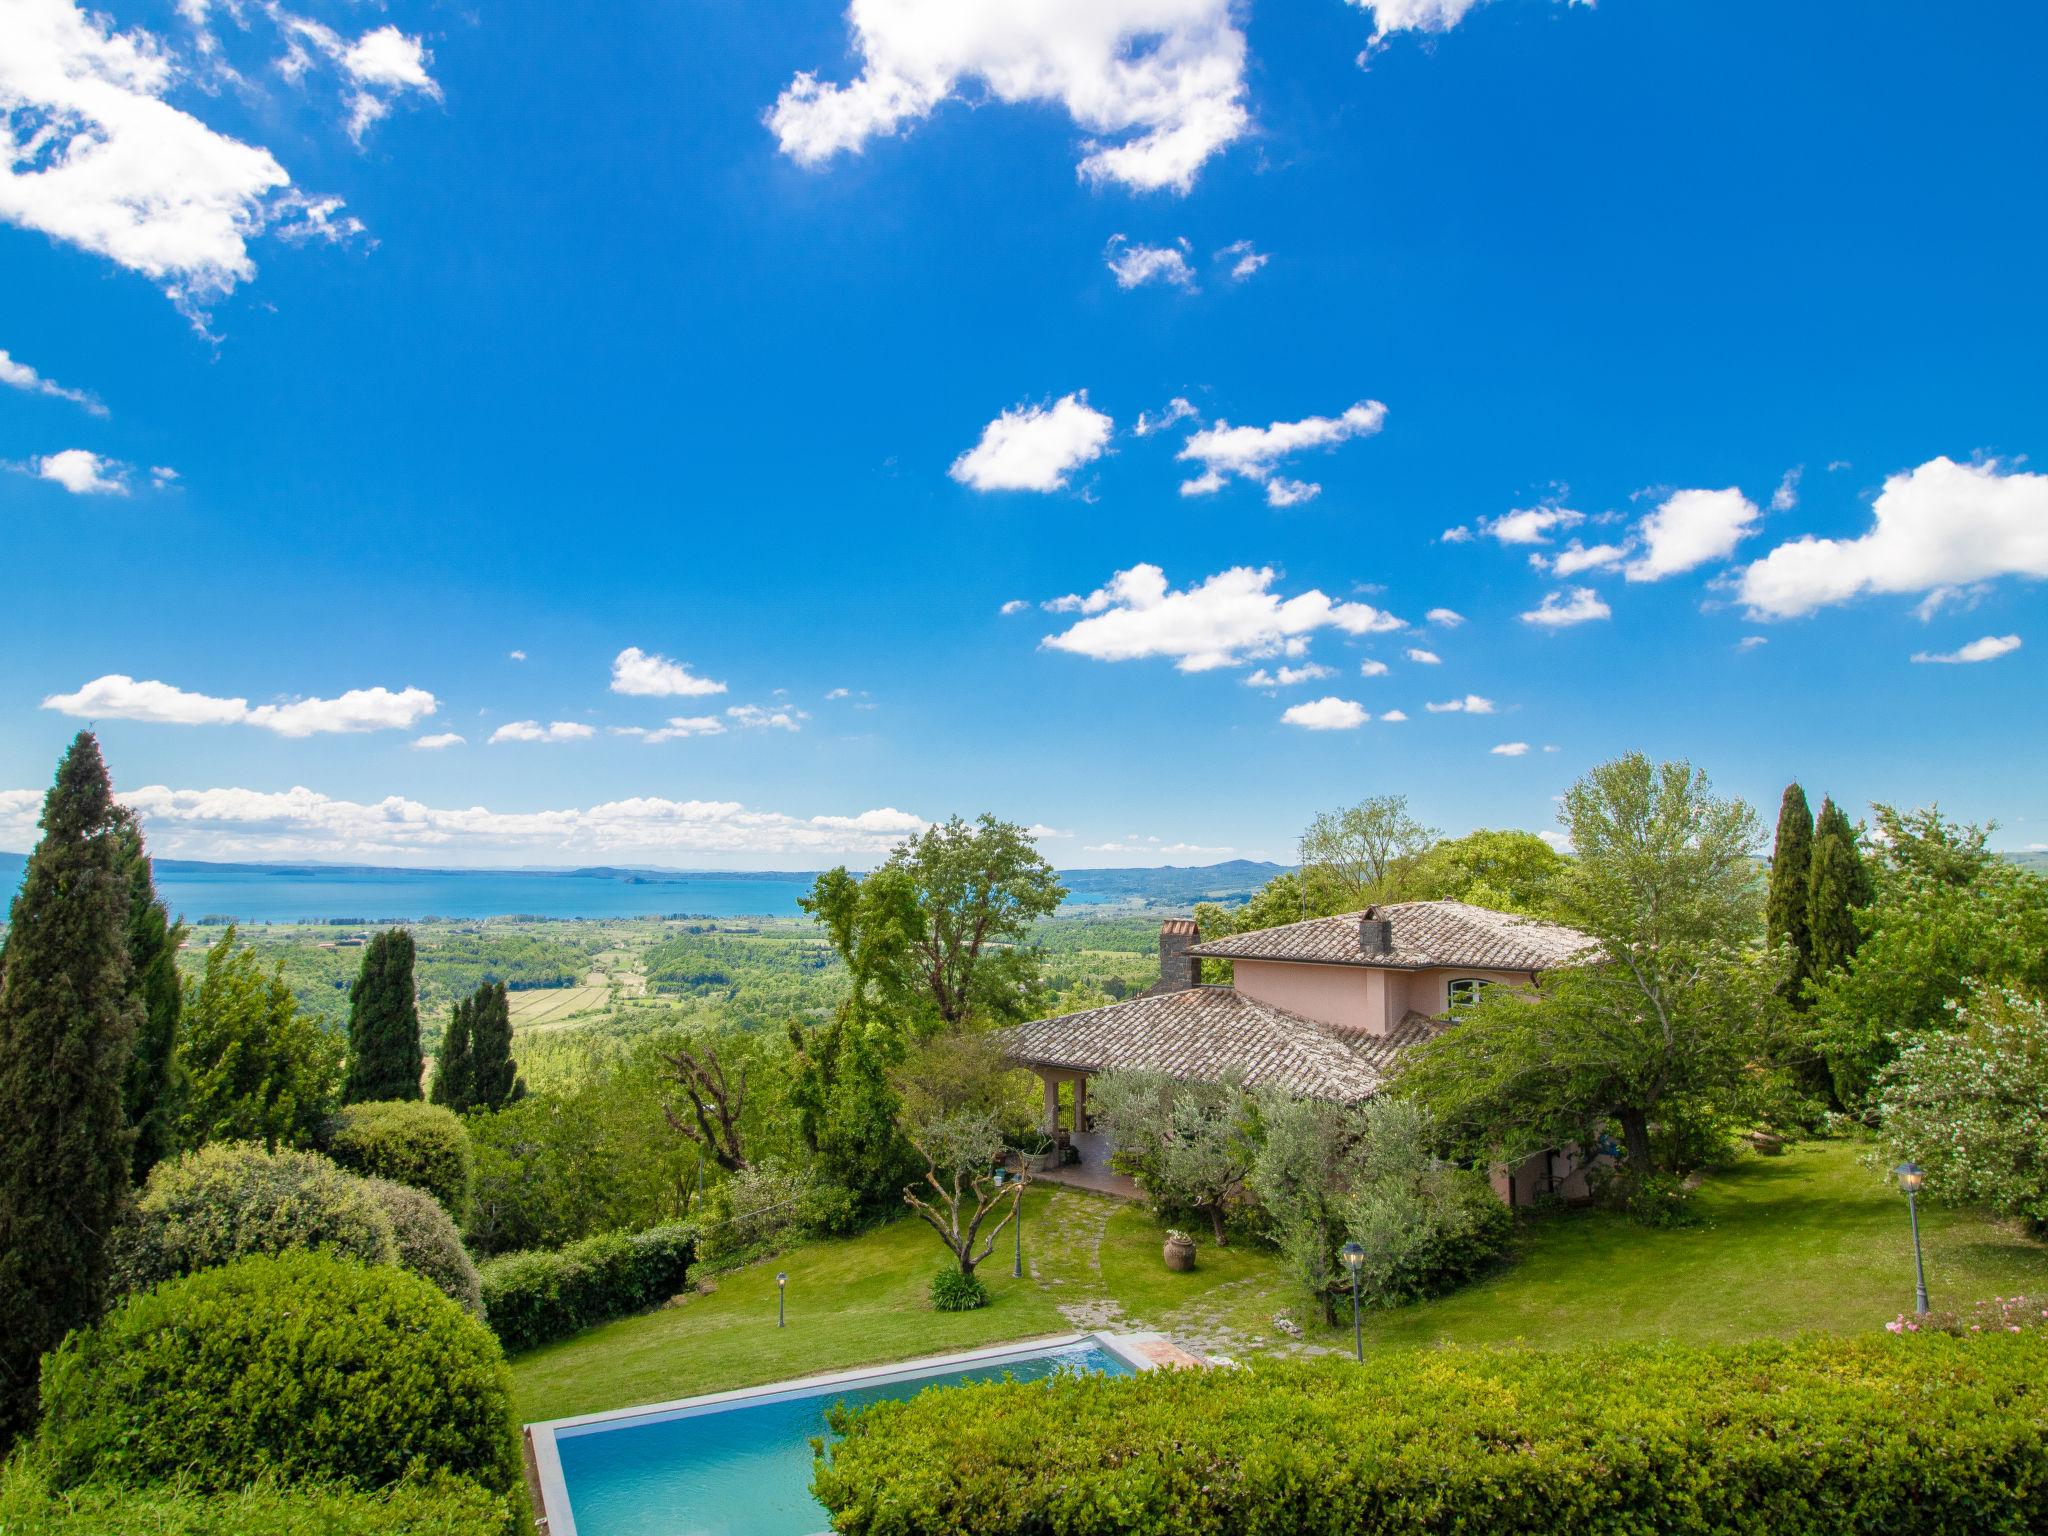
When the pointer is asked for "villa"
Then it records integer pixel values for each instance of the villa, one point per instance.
(1322, 1008)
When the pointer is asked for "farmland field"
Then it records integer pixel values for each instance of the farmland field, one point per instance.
(553, 1005)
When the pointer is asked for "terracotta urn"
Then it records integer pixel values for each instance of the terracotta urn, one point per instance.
(1180, 1251)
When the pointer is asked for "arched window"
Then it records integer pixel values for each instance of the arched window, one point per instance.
(1464, 992)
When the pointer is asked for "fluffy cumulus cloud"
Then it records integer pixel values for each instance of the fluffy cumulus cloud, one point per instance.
(1177, 410)
(18, 375)
(1136, 265)
(1222, 621)
(1423, 658)
(120, 697)
(1445, 618)
(1157, 85)
(533, 730)
(1576, 558)
(439, 742)
(1287, 677)
(1326, 714)
(1524, 525)
(1243, 259)
(1390, 16)
(1786, 496)
(1935, 529)
(93, 155)
(1393, 717)
(83, 473)
(1471, 704)
(1689, 529)
(1035, 447)
(1255, 453)
(304, 823)
(1561, 610)
(1371, 668)
(766, 717)
(1990, 648)
(1511, 749)
(640, 672)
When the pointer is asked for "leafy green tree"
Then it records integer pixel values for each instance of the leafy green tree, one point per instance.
(154, 1084)
(494, 1075)
(255, 1067)
(1188, 1144)
(384, 1060)
(1838, 886)
(1785, 919)
(1660, 1024)
(1946, 915)
(847, 1108)
(454, 1066)
(1366, 852)
(68, 1020)
(936, 937)
(1506, 870)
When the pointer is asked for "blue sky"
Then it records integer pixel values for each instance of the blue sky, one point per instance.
(506, 362)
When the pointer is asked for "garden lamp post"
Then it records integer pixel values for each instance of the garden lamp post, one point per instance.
(781, 1295)
(1354, 1258)
(1017, 1236)
(1911, 1177)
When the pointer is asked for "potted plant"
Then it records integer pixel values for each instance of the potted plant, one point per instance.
(1180, 1250)
(1041, 1153)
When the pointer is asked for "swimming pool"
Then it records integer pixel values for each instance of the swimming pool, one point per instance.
(739, 1463)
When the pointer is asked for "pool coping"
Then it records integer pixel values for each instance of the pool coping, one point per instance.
(1140, 1351)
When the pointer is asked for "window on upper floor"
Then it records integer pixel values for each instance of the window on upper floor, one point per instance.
(1464, 992)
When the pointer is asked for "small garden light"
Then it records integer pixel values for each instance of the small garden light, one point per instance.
(1354, 1259)
(1911, 1177)
(781, 1294)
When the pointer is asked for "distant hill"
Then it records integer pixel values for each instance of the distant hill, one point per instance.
(1172, 883)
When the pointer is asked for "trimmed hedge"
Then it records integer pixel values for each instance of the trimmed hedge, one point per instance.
(1776, 1439)
(428, 1243)
(301, 1367)
(545, 1294)
(443, 1506)
(408, 1142)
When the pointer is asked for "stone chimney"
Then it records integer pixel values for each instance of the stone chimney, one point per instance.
(1178, 970)
(1375, 934)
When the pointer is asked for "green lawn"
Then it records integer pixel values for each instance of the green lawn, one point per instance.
(1813, 1240)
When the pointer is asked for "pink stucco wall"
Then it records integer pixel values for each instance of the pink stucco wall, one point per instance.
(1363, 998)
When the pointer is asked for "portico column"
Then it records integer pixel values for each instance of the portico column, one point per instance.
(1052, 1103)
(1080, 1102)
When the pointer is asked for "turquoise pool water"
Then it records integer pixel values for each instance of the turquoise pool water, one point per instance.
(745, 1469)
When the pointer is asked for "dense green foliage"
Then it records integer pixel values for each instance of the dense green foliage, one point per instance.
(1971, 1106)
(954, 1290)
(455, 1065)
(1946, 914)
(1506, 870)
(228, 1200)
(438, 1506)
(154, 1073)
(68, 1020)
(493, 1075)
(1838, 885)
(254, 1067)
(427, 1241)
(1785, 908)
(1820, 1437)
(754, 976)
(304, 1367)
(414, 1143)
(534, 1297)
(384, 1060)
(1188, 1144)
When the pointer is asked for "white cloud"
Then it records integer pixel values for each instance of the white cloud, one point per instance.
(1035, 447)
(162, 476)
(679, 728)
(1750, 642)
(1557, 840)
(1137, 265)
(1990, 648)
(515, 655)
(379, 66)
(1015, 605)
(1156, 848)
(1372, 669)
(1177, 409)
(1471, 704)
(1413, 15)
(756, 717)
(1510, 749)
(1420, 657)
(1558, 610)
(1937, 527)
(18, 375)
(437, 743)
(1287, 677)
(1393, 717)
(533, 730)
(1575, 558)
(1690, 528)
(84, 473)
(117, 696)
(1327, 714)
(91, 154)
(1448, 618)
(1528, 525)
(1038, 831)
(1244, 260)
(1158, 85)
(640, 672)
(1254, 453)
(1786, 496)
(1458, 535)
(1220, 622)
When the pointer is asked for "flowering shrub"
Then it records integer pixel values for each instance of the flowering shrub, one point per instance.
(2002, 1314)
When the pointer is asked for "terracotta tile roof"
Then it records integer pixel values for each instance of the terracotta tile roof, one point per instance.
(1204, 1033)
(1423, 933)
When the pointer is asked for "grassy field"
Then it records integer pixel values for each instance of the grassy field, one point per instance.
(1813, 1240)
(551, 1005)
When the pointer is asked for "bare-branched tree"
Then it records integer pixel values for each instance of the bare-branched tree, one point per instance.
(716, 1104)
(960, 1154)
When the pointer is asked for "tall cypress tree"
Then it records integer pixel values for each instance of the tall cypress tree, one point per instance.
(490, 1044)
(454, 1068)
(384, 1060)
(1838, 884)
(154, 1076)
(68, 1020)
(1791, 878)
